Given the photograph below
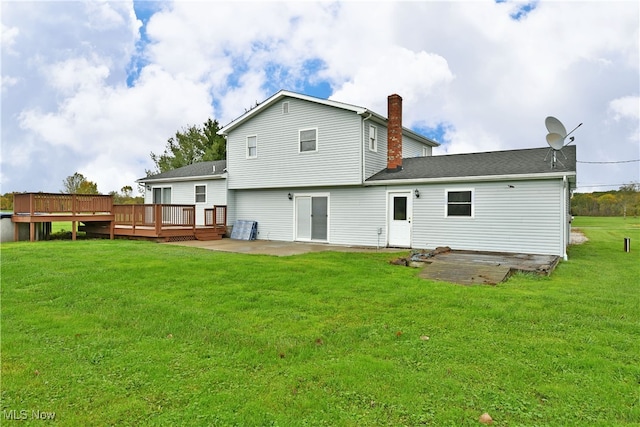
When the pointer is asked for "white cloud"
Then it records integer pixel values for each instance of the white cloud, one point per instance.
(9, 35)
(466, 67)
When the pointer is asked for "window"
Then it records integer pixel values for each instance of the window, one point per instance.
(285, 107)
(399, 208)
(201, 194)
(252, 147)
(162, 195)
(426, 151)
(308, 140)
(373, 138)
(460, 203)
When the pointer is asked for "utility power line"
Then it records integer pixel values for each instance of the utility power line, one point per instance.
(619, 161)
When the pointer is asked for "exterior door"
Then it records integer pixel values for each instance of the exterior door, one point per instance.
(312, 218)
(400, 212)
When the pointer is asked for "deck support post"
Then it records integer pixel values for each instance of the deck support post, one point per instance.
(32, 231)
(133, 218)
(73, 230)
(158, 218)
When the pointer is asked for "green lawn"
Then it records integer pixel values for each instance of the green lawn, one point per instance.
(122, 332)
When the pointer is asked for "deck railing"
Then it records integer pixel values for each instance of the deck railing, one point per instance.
(157, 215)
(40, 203)
(216, 216)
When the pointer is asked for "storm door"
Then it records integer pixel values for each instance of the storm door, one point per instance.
(400, 211)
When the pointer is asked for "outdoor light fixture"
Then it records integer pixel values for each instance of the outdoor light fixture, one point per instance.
(417, 193)
(290, 196)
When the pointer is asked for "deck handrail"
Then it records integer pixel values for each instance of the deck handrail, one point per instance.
(216, 216)
(50, 203)
(155, 215)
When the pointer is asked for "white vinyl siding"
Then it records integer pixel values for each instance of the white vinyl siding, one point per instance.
(414, 148)
(375, 161)
(522, 219)
(182, 193)
(355, 213)
(280, 164)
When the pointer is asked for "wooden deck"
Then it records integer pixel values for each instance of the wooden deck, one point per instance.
(100, 217)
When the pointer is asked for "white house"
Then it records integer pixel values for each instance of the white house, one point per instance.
(315, 170)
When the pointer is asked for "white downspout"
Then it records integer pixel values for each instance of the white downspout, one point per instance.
(364, 149)
(565, 228)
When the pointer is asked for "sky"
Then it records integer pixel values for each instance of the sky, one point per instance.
(95, 86)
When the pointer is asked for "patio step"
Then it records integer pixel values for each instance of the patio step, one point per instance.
(210, 233)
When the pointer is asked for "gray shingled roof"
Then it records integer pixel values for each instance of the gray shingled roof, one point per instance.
(193, 170)
(512, 162)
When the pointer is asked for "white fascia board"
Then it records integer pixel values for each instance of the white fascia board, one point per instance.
(486, 178)
(182, 179)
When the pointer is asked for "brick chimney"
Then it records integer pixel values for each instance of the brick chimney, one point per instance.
(394, 133)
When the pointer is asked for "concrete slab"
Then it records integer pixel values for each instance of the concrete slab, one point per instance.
(275, 248)
(470, 268)
(465, 273)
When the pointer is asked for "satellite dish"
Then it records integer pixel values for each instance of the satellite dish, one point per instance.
(555, 141)
(555, 126)
(555, 138)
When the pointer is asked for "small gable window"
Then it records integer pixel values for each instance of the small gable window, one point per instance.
(201, 194)
(373, 138)
(285, 107)
(460, 203)
(308, 140)
(252, 147)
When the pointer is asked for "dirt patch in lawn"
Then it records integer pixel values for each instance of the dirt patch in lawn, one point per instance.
(577, 237)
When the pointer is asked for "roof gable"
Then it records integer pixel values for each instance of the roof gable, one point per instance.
(282, 94)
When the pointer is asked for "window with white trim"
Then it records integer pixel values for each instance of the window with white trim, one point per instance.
(426, 151)
(285, 107)
(252, 147)
(459, 203)
(373, 138)
(201, 193)
(308, 140)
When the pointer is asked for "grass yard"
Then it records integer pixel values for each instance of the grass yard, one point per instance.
(122, 332)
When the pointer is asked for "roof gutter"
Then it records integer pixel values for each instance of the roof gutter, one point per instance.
(182, 178)
(485, 178)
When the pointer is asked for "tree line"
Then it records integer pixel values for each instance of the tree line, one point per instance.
(190, 145)
(622, 202)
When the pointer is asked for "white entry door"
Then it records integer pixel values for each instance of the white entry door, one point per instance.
(311, 218)
(400, 212)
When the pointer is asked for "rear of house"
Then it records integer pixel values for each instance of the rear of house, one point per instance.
(314, 170)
